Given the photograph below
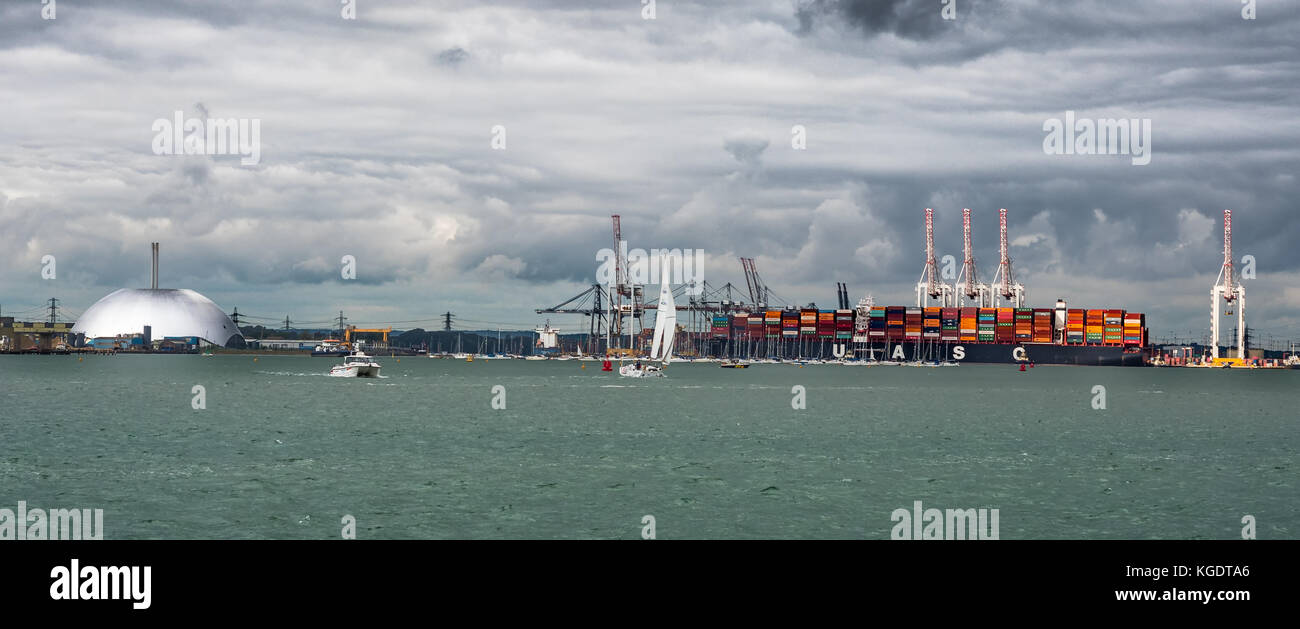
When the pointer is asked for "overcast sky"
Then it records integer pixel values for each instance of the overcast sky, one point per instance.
(376, 142)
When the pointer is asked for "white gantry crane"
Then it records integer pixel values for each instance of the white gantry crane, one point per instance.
(1227, 289)
(1004, 283)
(929, 286)
(968, 284)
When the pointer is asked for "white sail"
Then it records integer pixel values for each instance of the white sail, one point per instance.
(658, 338)
(665, 324)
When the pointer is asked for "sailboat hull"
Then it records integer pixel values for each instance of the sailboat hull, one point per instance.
(631, 371)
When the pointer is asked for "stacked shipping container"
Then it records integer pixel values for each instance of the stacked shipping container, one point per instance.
(808, 321)
(1024, 326)
(1113, 327)
(844, 324)
(789, 324)
(1093, 326)
(967, 325)
(876, 323)
(1074, 318)
(930, 323)
(894, 323)
(897, 324)
(720, 326)
(740, 326)
(1134, 328)
(988, 320)
(1043, 325)
(912, 324)
(949, 329)
(826, 324)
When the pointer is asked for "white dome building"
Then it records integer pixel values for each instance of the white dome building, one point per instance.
(167, 311)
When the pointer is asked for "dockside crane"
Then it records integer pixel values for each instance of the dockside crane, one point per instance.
(758, 292)
(625, 296)
(1228, 289)
(1006, 286)
(590, 304)
(929, 286)
(968, 284)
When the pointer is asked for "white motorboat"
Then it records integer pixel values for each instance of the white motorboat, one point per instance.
(356, 365)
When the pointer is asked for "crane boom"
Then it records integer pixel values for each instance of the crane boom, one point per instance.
(968, 265)
(1004, 263)
(931, 281)
(1228, 293)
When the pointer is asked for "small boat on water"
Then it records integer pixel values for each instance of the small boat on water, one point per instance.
(638, 370)
(733, 364)
(661, 347)
(330, 347)
(356, 365)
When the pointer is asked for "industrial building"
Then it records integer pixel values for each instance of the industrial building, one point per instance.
(34, 336)
(159, 313)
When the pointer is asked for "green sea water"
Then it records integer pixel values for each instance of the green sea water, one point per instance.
(284, 451)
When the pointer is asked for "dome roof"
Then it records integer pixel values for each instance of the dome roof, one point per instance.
(169, 312)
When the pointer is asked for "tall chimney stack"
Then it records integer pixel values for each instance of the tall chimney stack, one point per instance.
(153, 269)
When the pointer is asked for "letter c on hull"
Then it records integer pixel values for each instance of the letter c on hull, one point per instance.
(1018, 354)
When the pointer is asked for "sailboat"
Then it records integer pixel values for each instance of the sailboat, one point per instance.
(665, 331)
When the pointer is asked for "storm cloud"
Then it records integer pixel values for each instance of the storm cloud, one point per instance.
(377, 142)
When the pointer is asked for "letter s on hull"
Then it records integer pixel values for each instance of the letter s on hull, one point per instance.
(958, 352)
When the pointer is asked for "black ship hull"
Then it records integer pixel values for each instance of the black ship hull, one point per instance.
(1039, 353)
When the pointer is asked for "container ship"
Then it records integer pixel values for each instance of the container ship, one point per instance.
(1059, 335)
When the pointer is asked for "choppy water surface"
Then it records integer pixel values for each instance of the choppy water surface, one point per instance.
(284, 451)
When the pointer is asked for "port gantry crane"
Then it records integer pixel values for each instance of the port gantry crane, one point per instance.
(623, 288)
(928, 286)
(1006, 286)
(968, 284)
(607, 307)
(1228, 289)
(758, 291)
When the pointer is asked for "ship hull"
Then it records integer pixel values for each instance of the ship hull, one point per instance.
(1039, 353)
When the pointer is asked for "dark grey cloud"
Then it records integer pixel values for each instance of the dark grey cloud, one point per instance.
(375, 140)
(746, 146)
(453, 56)
(913, 19)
